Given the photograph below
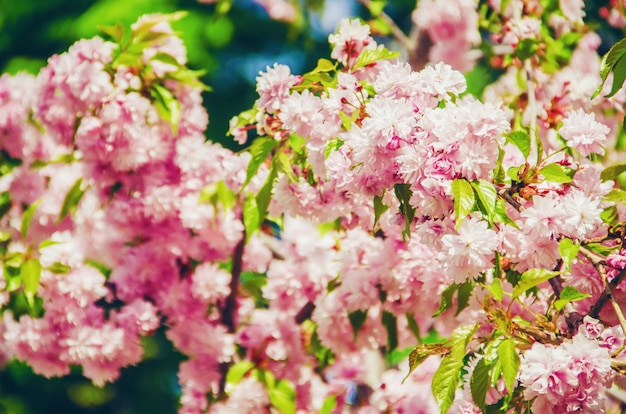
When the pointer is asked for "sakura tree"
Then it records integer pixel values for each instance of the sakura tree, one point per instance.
(388, 242)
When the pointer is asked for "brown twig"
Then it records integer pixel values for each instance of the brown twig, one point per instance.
(230, 305)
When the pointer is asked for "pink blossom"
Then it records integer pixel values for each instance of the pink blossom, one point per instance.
(273, 86)
(583, 133)
(351, 39)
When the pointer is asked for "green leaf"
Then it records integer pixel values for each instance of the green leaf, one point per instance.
(611, 173)
(31, 273)
(218, 193)
(27, 217)
(348, 120)
(283, 163)
(116, 32)
(608, 62)
(376, 7)
(423, 351)
(324, 65)
(264, 196)
(72, 198)
(447, 376)
(252, 283)
(532, 278)
(283, 397)
(463, 296)
(569, 294)
(329, 404)
(390, 323)
(479, 384)
(251, 215)
(496, 289)
(500, 215)
(557, 173)
(509, 362)
(463, 199)
(101, 267)
(58, 268)
(238, 371)
(368, 57)
(167, 106)
(521, 140)
(413, 327)
(616, 195)
(601, 249)
(487, 196)
(446, 299)
(404, 194)
(619, 75)
(166, 58)
(568, 250)
(357, 319)
(610, 215)
(379, 209)
(526, 48)
(260, 149)
(5, 203)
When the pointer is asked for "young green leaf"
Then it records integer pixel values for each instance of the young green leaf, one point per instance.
(251, 215)
(619, 75)
(610, 215)
(31, 273)
(283, 163)
(479, 383)
(238, 371)
(324, 65)
(357, 319)
(463, 199)
(616, 195)
(379, 209)
(532, 278)
(509, 362)
(167, 106)
(568, 250)
(612, 172)
(264, 195)
(423, 351)
(557, 173)
(283, 397)
(329, 404)
(496, 289)
(27, 217)
(390, 323)
(368, 57)
(413, 326)
(447, 297)
(72, 198)
(487, 196)
(521, 140)
(608, 62)
(260, 149)
(569, 294)
(447, 376)
(463, 296)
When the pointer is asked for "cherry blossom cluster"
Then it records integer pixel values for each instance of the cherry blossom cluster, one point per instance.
(380, 212)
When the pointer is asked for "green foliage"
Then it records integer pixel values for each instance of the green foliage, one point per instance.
(447, 376)
(464, 200)
(532, 278)
(568, 295)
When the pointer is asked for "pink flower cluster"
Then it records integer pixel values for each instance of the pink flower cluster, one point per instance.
(568, 378)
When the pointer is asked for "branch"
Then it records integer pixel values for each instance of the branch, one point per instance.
(606, 295)
(230, 306)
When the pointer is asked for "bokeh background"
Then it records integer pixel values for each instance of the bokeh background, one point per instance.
(232, 42)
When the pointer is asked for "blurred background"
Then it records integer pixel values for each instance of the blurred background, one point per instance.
(232, 41)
